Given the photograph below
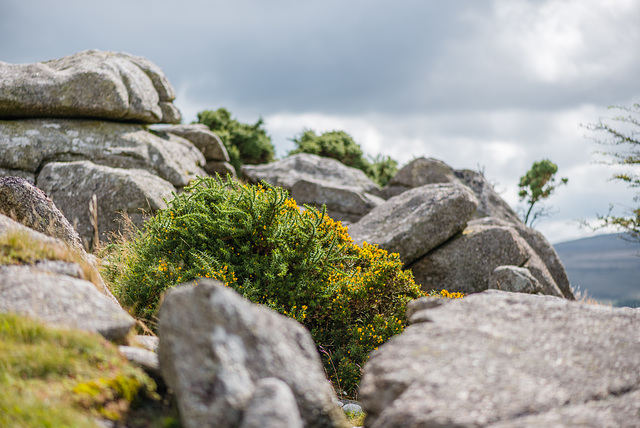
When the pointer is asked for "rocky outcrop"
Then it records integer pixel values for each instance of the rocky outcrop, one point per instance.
(272, 406)
(417, 220)
(466, 262)
(215, 348)
(212, 148)
(94, 107)
(348, 192)
(133, 192)
(461, 262)
(514, 278)
(498, 359)
(25, 203)
(28, 145)
(89, 84)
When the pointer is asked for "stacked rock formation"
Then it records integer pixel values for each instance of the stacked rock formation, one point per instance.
(77, 128)
(449, 226)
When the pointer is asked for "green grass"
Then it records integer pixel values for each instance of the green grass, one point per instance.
(18, 247)
(60, 378)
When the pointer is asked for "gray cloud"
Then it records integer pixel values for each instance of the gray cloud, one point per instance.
(498, 84)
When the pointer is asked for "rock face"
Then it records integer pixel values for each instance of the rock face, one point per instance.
(418, 220)
(61, 300)
(94, 107)
(443, 258)
(22, 201)
(513, 278)
(89, 84)
(215, 348)
(28, 145)
(498, 359)
(348, 192)
(208, 143)
(466, 262)
(272, 406)
(201, 136)
(128, 190)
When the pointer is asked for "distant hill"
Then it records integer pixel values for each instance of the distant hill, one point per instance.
(607, 267)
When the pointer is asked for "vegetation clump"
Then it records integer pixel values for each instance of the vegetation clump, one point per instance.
(340, 146)
(245, 143)
(297, 261)
(53, 378)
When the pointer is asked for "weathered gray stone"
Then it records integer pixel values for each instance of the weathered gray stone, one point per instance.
(514, 278)
(9, 226)
(215, 346)
(144, 358)
(150, 343)
(59, 267)
(71, 185)
(28, 145)
(416, 221)
(61, 300)
(507, 359)
(221, 168)
(465, 263)
(272, 406)
(303, 166)
(201, 136)
(490, 204)
(417, 173)
(88, 84)
(613, 412)
(25, 203)
(30, 177)
(549, 257)
(344, 203)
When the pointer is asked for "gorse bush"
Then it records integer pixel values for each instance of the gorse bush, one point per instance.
(299, 262)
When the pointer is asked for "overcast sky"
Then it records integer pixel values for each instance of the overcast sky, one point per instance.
(492, 85)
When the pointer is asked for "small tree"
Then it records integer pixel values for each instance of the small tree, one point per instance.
(537, 184)
(246, 144)
(626, 138)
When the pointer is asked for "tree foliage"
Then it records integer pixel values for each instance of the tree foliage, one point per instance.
(246, 144)
(624, 136)
(538, 184)
(340, 146)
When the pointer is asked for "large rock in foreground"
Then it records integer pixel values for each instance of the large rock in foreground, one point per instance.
(499, 359)
(418, 220)
(88, 84)
(215, 347)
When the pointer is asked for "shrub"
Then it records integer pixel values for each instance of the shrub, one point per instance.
(340, 146)
(296, 261)
(246, 144)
